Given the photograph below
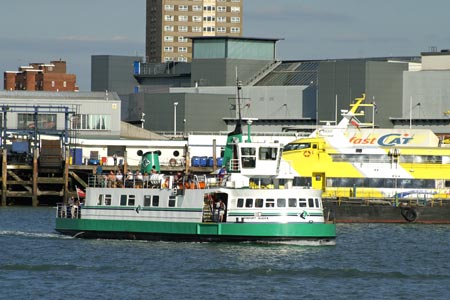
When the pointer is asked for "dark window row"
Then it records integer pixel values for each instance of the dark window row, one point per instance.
(278, 202)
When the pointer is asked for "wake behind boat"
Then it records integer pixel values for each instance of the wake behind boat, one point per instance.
(257, 199)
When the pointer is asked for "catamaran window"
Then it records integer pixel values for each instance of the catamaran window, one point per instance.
(259, 202)
(381, 182)
(249, 202)
(270, 202)
(310, 202)
(299, 146)
(317, 202)
(147, 199)
(281, 202)
(108, 199)
(240, 202)
(172, 200)
(131, 200)
(266, 153)
(292, 202)
(155, 201)
(302, 202)
(123, 200)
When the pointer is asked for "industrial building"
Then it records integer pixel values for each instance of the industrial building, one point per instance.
(285, 95)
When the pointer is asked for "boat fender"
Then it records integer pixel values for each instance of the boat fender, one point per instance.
(409, 214)
(306, 153)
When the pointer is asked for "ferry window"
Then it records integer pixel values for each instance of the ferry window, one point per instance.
(248, 162)
(123, 200)
(270, 202)
(292, 202)
(302, 202)
(155, 201)
(259, 202)
(108, 199)
(447, 183)
(249, 202)
(100, 199)
(131, 199)
(281, 202)
(266, 153)
(248, 157)
(240, 202)
(310, 202)
(302, 181)
(317, 202)
(248, 151)
(172, 201)
(314, 146)
(147, 199)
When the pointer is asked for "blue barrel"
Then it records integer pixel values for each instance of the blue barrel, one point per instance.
(203, 161)
(210, 162)
(195, 161)
(219, 161)
(77, 156)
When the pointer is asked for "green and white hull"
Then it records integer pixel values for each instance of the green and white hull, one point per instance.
(186, 215)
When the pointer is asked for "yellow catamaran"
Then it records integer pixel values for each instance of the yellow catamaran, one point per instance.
(352, 160)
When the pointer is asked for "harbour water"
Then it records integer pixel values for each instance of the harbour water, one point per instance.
(369, 261)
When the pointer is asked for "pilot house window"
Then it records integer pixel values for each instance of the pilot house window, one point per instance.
(266, 153)
(248, 157)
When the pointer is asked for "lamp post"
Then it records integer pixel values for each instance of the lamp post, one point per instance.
(142, 120)
(175, 118)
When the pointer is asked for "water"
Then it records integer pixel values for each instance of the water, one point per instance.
(370, 261)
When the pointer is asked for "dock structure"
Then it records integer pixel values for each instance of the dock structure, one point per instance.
(31, 184)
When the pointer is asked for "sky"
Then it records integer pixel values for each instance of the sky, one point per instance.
(45, 30)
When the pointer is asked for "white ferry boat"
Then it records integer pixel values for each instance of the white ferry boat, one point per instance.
(256, 200)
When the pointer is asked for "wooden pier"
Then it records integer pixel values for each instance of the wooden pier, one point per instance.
(30, 184)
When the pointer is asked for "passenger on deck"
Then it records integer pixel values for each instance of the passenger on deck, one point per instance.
(154, 170)
(129, 180)
(221, 210)
(119, 178)
(179, 180)
(139, 179)
(222, 173)
(111, 179)
(146, 179)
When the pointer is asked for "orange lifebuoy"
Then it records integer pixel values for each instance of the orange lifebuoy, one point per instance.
(306, 153)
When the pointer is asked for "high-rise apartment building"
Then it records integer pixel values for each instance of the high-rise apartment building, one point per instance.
(170, 24)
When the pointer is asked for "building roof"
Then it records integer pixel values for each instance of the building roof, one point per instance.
(292, 73)
(234, 38)
(58, 95)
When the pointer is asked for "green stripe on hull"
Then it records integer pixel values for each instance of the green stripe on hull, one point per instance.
(250, 230)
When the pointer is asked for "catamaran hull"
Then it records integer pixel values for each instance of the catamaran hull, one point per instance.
(348, 213)
(322, 234)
